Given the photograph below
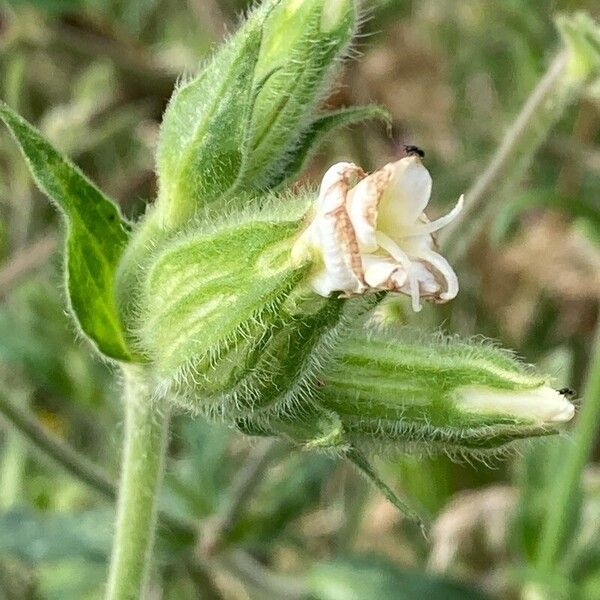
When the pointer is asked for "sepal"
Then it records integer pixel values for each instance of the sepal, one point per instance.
(228, 320)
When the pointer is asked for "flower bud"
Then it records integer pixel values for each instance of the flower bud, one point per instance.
(248, 120)
(422, 393)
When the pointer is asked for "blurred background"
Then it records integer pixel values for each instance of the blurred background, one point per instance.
(95, 76)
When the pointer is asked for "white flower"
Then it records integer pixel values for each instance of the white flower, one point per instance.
(370, 233)
(543, 405)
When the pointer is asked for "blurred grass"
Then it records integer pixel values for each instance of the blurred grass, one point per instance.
(95, 76)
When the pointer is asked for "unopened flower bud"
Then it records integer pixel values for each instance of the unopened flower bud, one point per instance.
(413, 392)
(370, 233)
(248, 121)
(542, 405)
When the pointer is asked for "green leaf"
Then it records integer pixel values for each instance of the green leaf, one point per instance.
(374, 578)
(95, 238)
(37, 537)
(316, 132)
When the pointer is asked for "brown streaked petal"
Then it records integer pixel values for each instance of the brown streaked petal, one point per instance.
(363, 206)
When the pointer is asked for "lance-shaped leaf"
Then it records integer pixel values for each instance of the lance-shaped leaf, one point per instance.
(96, 235)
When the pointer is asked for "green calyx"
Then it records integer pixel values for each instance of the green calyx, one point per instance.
(223, 314)
(405, 391)
(228, 321)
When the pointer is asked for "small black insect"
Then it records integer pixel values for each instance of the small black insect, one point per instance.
(567, 392)
(414, 151)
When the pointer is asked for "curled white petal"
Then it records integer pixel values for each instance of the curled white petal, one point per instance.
(407, 194)
(428, 228)
(383, 273)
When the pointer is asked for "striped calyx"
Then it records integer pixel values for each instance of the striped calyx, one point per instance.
(228, 321)
(417, 393)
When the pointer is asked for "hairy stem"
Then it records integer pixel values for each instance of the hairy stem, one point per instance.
(359, 460)
(546, 104)
(146, 426)
(568, 479)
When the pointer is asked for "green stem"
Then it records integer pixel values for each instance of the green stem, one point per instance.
(359, 460)
(554, 93)
(50, 445)
(568, 479)
(146, 426)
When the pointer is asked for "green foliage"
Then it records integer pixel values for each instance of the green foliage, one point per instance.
(371, 578)
(275, 361)
(96, 236)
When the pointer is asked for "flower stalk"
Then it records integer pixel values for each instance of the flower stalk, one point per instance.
(146, 426)
(520, 144)
(570, 473)
(568, 76)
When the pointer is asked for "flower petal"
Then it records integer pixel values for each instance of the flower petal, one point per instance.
(363, 207)
(542, 405)
(336, 179)
(331, 236)
(443, 266)
(383, 273)
(405, 198)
